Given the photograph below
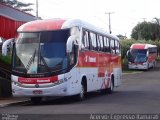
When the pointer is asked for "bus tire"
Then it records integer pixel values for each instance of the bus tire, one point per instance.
(111, 88)
(154, 64)
(36, 100)
(148, 67)
(81, 95)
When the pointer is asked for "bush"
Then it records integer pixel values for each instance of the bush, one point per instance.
(6, 59)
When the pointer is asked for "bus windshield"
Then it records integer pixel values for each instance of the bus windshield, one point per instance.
(137, 55)
(41, 52)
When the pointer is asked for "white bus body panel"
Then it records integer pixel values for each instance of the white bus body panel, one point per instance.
(70, 87)
(117, 76)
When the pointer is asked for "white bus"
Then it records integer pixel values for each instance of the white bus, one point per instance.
(63, 58)
(142, 56)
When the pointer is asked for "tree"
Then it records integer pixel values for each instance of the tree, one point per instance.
(146, 30)
(122, 37)
(17, 4)
(157, 35)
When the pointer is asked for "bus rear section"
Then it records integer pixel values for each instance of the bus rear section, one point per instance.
(142, 56)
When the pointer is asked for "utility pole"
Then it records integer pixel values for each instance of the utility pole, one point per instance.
(109, 14)
(37, 9)
(144, 19)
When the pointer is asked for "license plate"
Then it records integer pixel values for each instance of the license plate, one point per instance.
(37, 92)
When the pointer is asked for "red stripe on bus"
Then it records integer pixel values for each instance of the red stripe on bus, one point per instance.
(138, 46)
(37, 80)
(42, 25)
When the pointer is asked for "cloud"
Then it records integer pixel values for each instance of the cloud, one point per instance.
(127, 13)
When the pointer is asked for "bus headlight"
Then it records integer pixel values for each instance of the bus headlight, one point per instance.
(16, 83)
(145, 63)
(60, 81)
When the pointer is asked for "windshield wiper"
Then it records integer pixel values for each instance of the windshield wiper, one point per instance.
(44, 62)
(31, 60)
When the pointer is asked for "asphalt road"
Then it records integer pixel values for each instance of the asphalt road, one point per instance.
(139, 93)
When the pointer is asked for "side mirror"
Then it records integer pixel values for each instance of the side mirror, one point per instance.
(147, 53)
(5, 45)
(127, 53)
(72, 40)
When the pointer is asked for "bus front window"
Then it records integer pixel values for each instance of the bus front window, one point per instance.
(25, 56)
(137, 55)
(41, 52)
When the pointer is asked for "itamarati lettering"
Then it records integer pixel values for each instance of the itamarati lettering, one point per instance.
(90, 59)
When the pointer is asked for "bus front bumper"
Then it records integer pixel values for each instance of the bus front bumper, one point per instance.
(58, 90)
(138, 66)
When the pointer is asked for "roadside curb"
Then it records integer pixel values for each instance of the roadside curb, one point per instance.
(131, 73)
(13, 103)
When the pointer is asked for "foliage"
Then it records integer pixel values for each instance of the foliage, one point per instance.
(125, 45)
(121, 37)
(17, 4)
(124, 64)
(6, 59)
(146, 30)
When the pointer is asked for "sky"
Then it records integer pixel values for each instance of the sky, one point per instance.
(125, 13)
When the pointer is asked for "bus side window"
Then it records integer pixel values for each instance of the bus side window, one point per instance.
(109, 45)
(117, 47)
(106, 44)
(152, 50)
(112, 46)
(101, 43)
(85, 40)
(98, 43)
(93, 41)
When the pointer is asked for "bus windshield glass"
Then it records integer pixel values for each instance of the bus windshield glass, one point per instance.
(41, 52)
(137, 55)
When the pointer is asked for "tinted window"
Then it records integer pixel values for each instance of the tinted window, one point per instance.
(117, 47)
(85, 40)
(112, 46)
(93, 41)
(106, 45)
(101, 43)
(98, 43)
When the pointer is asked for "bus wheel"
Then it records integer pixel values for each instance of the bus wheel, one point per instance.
(36, 100)
(147, 67)
(154, 64)
(80, 96)
(111, 88)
